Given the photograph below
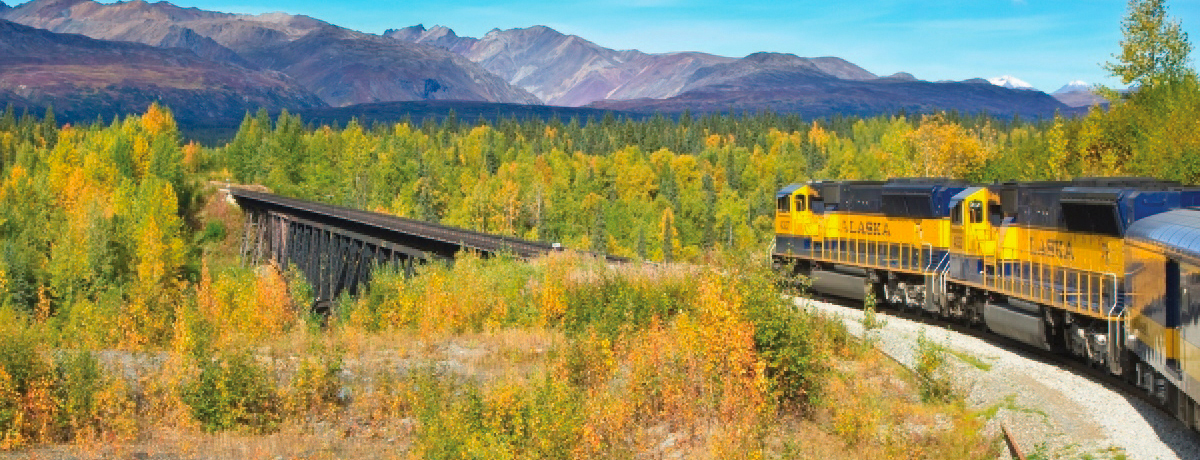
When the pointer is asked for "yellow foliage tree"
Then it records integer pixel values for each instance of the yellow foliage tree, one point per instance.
(159, 255)
(943, 148)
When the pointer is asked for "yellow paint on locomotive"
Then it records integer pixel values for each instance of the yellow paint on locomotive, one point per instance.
(798, 219)
(884, 229)
(1077, 251)
(971, 231)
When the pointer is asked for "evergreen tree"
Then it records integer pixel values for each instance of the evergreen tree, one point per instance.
(708, 219)
(641, 242)
(49, 128)
(599, 232)
(8, 121)
(668, 236)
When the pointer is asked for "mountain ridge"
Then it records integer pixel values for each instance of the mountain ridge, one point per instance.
(569, 70)
(374, 70)
(84, 78)
(816, 96)
(1076, 85)
(1011, 82)
(1079, 94)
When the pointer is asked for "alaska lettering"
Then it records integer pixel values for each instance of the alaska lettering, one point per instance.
(1054, 248)
(866, 228)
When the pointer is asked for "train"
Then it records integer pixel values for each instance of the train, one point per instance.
(1105, 270)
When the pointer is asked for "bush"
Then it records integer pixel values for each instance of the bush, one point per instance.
(538, 419)
(233, 392)
(315, 387)
(94, 404)
(930, 369)
(62, 400)
(795, 345)
(616, 303)
(28, 411)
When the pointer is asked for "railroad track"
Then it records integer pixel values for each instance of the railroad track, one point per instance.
(1045, 356)
(1099, 376)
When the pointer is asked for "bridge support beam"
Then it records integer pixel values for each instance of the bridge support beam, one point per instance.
(333, 260)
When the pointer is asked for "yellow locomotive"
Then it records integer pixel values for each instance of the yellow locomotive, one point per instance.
(1104, 269)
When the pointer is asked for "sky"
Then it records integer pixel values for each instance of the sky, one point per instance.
(1047, 43)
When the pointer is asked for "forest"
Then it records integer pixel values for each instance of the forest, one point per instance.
(113, 239)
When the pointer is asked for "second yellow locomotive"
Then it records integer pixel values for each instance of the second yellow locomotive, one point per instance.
(1094, 268)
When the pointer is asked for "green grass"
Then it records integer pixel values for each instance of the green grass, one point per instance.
(1010, 403)
(970, 359)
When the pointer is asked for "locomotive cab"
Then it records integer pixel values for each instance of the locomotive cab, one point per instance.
(784, 209)
(975, 217)
(798, 210)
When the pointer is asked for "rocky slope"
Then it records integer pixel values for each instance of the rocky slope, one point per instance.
(364, 67)
(566, 69)
(346, 67)
(84, 78)
(1078, 94)
(440, 36)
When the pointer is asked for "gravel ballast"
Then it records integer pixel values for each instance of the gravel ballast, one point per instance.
(1052, 412)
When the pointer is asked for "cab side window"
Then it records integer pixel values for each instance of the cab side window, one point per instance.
(801, 204)
(784, 203)
(976, 211)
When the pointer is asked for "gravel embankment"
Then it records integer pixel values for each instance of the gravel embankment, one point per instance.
(1050, 411)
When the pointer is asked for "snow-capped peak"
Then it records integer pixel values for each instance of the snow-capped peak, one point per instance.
(1011, 82)
(1077, 85)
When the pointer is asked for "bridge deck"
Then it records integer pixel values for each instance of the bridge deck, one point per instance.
(394, 226)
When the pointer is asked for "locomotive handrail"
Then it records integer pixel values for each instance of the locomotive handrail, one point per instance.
(939, 270)
(1115, 293)
(925, 263)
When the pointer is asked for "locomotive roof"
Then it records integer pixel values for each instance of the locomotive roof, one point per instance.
(1141, 183)
(1176, 232)
(788, 190)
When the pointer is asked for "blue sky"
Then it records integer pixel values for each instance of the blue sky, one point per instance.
(1044, 42)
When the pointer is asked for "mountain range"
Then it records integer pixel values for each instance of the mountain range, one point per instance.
(84, 78)
(783, 84)
(568, 70)
(301, 63)
(341, 66)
